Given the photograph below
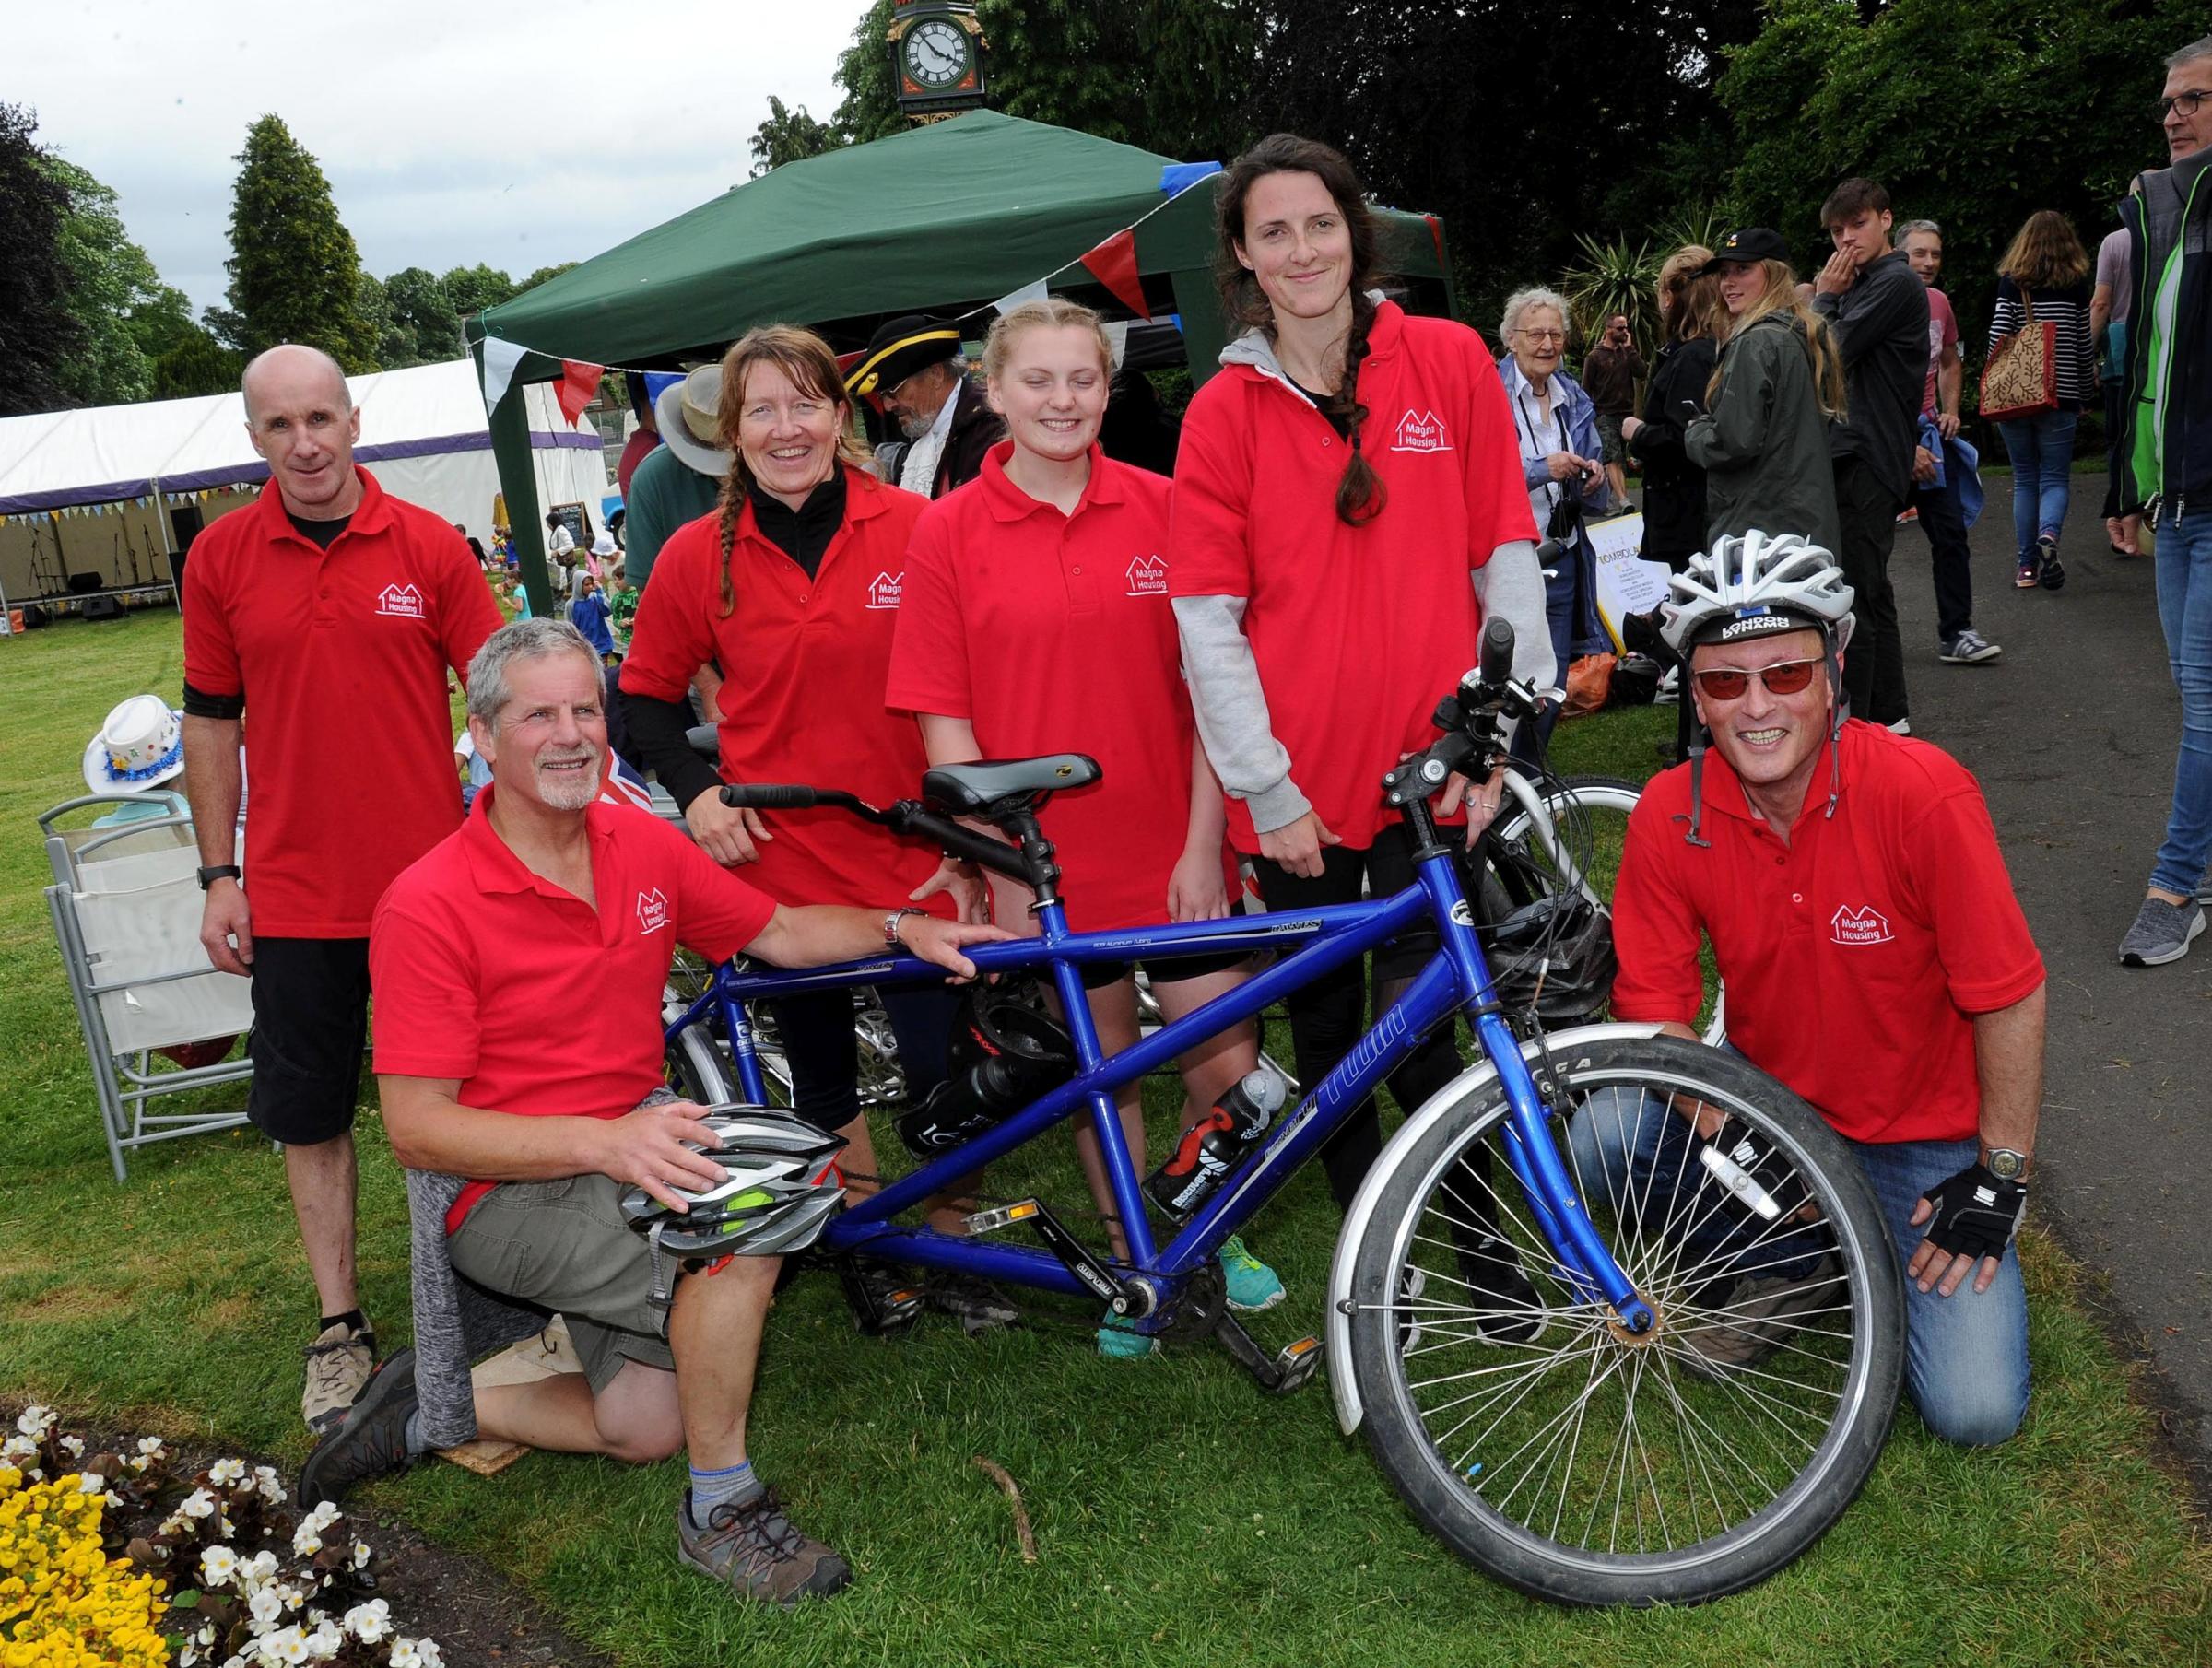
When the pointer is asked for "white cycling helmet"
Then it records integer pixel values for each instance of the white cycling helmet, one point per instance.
(1756, 586)
(779, 1187)
(1749, 586)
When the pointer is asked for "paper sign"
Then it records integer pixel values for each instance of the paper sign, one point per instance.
(1626, 583)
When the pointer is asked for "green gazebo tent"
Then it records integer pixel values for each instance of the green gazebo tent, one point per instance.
(942, 219)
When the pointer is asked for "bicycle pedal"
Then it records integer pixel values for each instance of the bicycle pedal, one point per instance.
(882, 1302)
(1003, 1216)
(1297, 1363)
(1278, 1374)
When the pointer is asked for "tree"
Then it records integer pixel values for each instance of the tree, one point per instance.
(542, 274)
(295, 272)
(110, 278)
(790, 136)
(196, 365)
(473, 288)
(1973, 114)
(1161, 76)
(423, 317)
(38, 333)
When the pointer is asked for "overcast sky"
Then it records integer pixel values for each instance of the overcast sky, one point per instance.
(452, 130)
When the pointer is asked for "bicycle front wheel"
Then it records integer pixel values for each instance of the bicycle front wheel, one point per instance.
(1587, 1465)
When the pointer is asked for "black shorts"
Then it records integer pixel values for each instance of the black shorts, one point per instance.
(1386, 868)
(1161, 969)
(310, 1024)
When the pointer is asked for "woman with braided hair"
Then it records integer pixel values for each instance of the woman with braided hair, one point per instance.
(1348, 510)
(792, 587)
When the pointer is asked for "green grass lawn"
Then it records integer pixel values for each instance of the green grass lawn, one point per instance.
(1181, 1516)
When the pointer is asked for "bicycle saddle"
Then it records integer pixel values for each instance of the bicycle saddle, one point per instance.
(985, 786)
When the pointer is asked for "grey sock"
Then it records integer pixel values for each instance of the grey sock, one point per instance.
(417, 1447)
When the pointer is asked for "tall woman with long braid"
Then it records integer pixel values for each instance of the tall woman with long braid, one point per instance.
(792, 587)
(1348, 510)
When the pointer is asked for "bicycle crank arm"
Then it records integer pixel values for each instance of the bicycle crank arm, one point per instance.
(1279, 1375)
(1130, 1299)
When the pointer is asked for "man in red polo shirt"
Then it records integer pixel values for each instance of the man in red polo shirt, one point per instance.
(1875, 961)
(331, 609)
(548, 888)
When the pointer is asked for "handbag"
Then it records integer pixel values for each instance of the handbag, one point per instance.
(2021, 378)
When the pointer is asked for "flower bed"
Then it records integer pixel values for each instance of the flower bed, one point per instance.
(111, 1560)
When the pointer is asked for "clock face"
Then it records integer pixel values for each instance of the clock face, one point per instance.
(936, 53)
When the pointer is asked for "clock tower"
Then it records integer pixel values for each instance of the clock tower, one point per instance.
(936, 58)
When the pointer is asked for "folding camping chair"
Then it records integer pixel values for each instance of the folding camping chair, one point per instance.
(126, 905)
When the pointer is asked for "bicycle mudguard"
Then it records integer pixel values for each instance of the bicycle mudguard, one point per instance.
(1337, 1329)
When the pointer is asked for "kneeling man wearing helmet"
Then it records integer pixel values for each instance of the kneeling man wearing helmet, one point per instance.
(1873, 959)
(518, 970)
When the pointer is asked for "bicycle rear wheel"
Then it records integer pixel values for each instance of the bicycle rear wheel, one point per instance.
(1575, 1462)
(1590, 819)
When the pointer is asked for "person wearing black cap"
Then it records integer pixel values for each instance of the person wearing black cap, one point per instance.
(916, 369)
(1763, 440)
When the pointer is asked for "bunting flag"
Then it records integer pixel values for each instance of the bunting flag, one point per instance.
(1113, 263)
(500, 361)
(1036, 291)
(1436, 236)
(1117, 339)
(579, 382)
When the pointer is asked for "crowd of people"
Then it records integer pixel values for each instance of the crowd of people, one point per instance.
(1355, 492)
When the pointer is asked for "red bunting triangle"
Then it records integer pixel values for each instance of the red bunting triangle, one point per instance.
(579, 382)
(1113, 263)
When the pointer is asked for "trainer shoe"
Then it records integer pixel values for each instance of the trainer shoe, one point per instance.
(2053, 573)
(1508, 1307)
(980, 1305)
(1752, 1317)
(1250, 1283)
(1119, 1340)
(371, 1441)
(338, 1363)
(1969, 648)
(2161, 933)
(2030, 566)
(757, 1551)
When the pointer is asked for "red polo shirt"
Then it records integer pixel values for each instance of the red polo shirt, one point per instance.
(538, 1003)
(803, 664)
(341, 655)
(1052, 633)
(1357, 630)
(1856, 955)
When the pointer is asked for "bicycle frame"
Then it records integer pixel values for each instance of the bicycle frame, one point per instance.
(1456, 980)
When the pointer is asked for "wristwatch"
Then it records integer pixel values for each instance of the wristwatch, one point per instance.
(2006, 1164)
(890, 924)
(222, 871)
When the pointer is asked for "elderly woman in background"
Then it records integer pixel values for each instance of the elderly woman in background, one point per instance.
(1674, 487)
(1560, 464)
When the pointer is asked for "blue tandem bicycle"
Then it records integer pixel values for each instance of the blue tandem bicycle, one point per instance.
(1572, 1431)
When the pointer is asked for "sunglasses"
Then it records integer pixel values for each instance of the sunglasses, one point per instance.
(1783, 677)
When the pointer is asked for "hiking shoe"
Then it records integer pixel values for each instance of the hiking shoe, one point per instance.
(755, 1550)
(371, 1441)
(1505, 1306)
(1753, 1318)
(1969, 648)
(2161, 933)
(980, 1305)
(1119, 1340)
(1250, 1283)
(338, 1364)
(2053, 573)
(1412, 1283)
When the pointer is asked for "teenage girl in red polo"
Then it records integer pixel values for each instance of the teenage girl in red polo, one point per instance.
(1036, 619)
(792, 587)
(1347, 508)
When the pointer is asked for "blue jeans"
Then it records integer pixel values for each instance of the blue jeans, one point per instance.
(1966, 1356)
(2041, 449)
(2184, 570)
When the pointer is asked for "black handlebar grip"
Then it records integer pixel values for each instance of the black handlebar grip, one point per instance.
(767, 796)
(1497, 650)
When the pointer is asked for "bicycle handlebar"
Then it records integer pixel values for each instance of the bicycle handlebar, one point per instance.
(775, 796)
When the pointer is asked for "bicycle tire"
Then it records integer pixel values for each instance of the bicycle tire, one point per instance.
(1716, 1422)
(1599, 796)
(696, 1069)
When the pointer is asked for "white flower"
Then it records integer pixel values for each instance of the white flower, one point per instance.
(403, 1655)
(326, 1640)
(173, 1524)
(265, 1605)
(92, 1482)
(361, 1554)
(199, 1503)
(72, 1446)
(306, 1543)
(288, 1645)
(18, 1448)
(224, 1473)
(35, 1421)
(219, 1564)
(431, 1656)
(369, 1622)
(187, 1657)
(270, 1483)
(261, 1566)
(291, 1597)
(151, 1448)
(324, 1515)
(236, 1662)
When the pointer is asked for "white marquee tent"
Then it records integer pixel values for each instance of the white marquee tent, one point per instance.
(80, 489)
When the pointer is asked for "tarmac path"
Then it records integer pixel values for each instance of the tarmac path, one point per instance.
(2073, 734)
